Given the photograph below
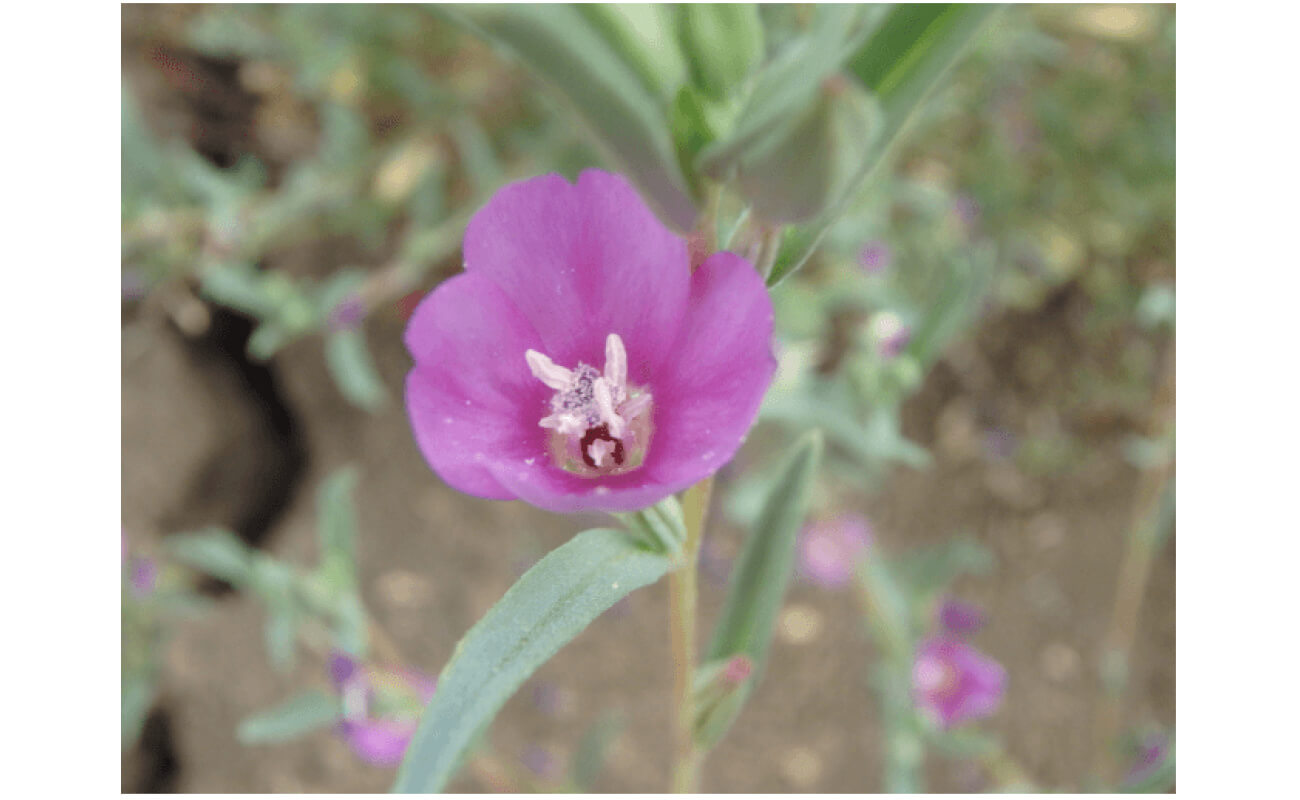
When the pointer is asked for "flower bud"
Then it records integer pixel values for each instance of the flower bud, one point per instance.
(721, 688)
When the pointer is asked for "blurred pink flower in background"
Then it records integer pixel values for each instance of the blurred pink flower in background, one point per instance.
(875, 257)
(889, 333)
(381, 707)
(829, 550)
(578, 363)
(952, 682)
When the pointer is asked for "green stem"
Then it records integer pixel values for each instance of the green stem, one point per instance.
(683, 591)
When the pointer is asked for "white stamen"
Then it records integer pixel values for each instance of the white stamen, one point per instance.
(605, 404)
(616, 365)
(599, 450)
(565, 422)
(547, 371)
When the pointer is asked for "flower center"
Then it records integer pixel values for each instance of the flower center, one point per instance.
(599, 423)
(935, 677)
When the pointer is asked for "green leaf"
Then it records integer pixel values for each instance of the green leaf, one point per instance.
(137, 699)
(215, 551)
(900, 62)
(589, 757)
(642, 33)
(763, 570)
(661, 526)
(353, 370)
(336, 518)
(786, 87)
(562, 47)
(794, 173)
(553, 602)
(723, 44)
(691, 130)
(759, 581)
(299, 715)
(887, 609)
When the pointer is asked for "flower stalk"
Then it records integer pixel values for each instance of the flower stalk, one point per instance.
(683, 588)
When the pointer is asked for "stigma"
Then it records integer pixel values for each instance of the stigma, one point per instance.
(599, 423)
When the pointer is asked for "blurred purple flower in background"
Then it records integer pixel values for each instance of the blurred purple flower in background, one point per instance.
(875, 257)
(829, 550)
(381, 707)
(953, 682)
(541, 762)
(889, 333)
(1151, 752)
(144, 576)
(578, 363)
(959, 618)
(347, 315)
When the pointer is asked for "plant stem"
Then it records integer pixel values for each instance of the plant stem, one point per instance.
(1152, 518)
(682, 584)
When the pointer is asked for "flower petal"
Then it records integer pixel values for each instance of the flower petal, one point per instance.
(471, 396)
(706, 398)
(582, 261)
(381, 742)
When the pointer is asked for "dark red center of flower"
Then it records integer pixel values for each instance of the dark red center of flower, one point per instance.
(600, 432)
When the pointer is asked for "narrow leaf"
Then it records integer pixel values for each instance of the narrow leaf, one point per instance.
(763, 570)
(723, 43)
(215, 551)
(560, 45)
(786, 87)
(336, 519)
(552, 603)
(301, 714)
(589, 757)
(353, 369)
(642, 33)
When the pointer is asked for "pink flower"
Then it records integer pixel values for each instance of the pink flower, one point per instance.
(875, 257)
(578, 363)
(829, 550)
(890, 334)
(960, 618)
(381, 708)
(953, 682)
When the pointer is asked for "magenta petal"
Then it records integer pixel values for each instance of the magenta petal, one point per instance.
(380, 742)
(708, 395)
(583, 261)
(706, 398)
(552, 488)
(471, 397)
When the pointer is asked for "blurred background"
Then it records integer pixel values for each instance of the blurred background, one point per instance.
(987, 339)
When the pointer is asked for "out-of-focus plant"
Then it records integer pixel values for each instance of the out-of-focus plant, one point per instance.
(773, 132)
(154, 600)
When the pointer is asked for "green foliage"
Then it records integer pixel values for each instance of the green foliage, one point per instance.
(592, 750)
(327, 597)
(353, 369)
(661, 527)
(723, 44)
(561, 46)
(900, 62)
(761, 576)
(301, 714)
(553, 602)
